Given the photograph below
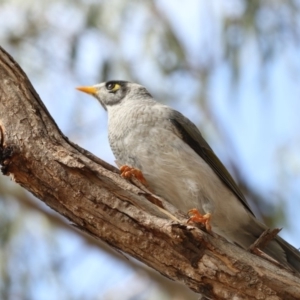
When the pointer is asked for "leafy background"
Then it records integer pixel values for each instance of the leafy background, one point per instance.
(232, 67)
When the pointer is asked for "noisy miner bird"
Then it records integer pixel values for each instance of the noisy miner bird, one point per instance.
(178, 165)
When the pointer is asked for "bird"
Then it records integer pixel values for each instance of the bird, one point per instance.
(163, 148)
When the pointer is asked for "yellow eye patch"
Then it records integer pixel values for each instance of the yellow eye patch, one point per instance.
(112, 86)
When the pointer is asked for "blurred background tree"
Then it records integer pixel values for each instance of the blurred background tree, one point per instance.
(232, 67)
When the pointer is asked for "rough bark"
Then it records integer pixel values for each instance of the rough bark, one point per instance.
(93, 196)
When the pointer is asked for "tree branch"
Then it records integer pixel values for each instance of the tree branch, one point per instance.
(92, 195)
(170, 288)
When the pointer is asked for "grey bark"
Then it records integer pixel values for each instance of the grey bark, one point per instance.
(93, 196)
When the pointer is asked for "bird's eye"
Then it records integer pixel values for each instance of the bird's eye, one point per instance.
(111, 86)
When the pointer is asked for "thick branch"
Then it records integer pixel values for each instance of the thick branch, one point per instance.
(92, 195)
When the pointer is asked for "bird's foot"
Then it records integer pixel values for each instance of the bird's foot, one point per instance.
(196, 217)
(128, 172)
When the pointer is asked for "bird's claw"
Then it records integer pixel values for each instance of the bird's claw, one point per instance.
(196, 217)
(128, 172)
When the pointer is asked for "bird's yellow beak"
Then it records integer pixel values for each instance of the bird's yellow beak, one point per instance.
(87, 89)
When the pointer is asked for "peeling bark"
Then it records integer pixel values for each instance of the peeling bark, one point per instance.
(93, 196)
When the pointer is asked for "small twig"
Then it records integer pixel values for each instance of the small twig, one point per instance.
(264, 239)
(265, 256)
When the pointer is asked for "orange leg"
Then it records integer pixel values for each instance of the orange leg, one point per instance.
(196, 217)
(127, 172)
